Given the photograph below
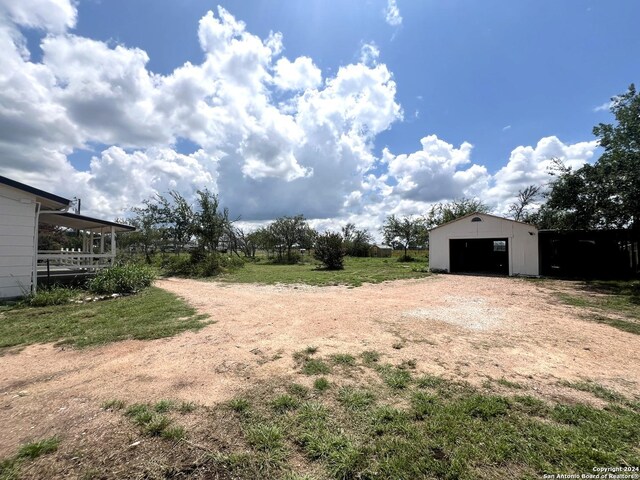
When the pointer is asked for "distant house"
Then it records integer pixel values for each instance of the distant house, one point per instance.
(482, 243)
(380, 250)
(23, 209)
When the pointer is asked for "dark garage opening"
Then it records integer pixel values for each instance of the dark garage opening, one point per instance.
(479, 255)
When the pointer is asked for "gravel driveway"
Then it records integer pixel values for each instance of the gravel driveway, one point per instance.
(473, 328)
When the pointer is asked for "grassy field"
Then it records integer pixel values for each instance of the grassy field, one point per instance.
(356, 272)
(349, 416)
(154, 313)
(615, 303)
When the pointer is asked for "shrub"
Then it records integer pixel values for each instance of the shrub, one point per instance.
(199, 264)
(122, 279)
(330, 250)
(50, 296)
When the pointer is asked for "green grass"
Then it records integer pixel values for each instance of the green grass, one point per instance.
(151, 314)
(356, 272)
(614, 303)
(367, 428)
(597, 390)
(321, 384)
(35, 449)
(10, 467)
(314, 366)
(343, 359)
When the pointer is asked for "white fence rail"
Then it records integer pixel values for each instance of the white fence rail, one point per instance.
(74, 259)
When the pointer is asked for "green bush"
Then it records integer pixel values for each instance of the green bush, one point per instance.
(50, 296)
(330, 250)
(129, 278)
(200, 264)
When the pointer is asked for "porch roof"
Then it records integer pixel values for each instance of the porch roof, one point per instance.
(81, 222)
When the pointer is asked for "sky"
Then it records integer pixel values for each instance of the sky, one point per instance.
(342, 110)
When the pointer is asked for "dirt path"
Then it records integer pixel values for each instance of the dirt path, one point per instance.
(456, 326)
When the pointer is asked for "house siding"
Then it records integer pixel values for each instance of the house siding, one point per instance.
(17, 222)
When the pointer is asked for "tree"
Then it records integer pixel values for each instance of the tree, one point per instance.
(526, 196)
(147, 236)
(210, 223)
(329, 249)
(288, 231)
(407, 231)
(446, 212)
(607, 193)
(177, 218)
(357, 242)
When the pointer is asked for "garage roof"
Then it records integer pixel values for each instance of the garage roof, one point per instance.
(482, 215)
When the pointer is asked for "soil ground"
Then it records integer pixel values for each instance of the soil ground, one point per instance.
(459, 327)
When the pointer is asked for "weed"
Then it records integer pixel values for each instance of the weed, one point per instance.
(284, 403)
(46, 297)
(265, 437)
(313, 366)
(35, 449)
(430, 381)
(187, 407)
(298, 390)
(139, 413)
(422, 405)
(343, 359)
(174, 433)
(395, 377)
(408, 364)
(113, 405)
(310, 350)
(355, 398)
(164, 406)
(321, 384)
(370, 356)
(595, 389)
(398, 345)
(509, 384)
(239, 405)
(157, 425)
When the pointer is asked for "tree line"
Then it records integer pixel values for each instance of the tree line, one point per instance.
(605, 194)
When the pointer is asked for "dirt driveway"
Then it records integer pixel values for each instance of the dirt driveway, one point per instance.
(472, 328)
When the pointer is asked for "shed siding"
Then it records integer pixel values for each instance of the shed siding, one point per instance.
(17, 221)
(523, 246)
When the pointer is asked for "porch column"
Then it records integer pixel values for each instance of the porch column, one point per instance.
(113, 245)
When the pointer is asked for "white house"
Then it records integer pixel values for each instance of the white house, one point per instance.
(22, 210)
(482, 243)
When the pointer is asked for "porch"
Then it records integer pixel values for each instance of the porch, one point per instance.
(69, 265)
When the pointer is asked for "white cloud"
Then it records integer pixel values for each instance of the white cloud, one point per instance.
(392, 14)
(311, 151)
(437, 172)
(530, 165)
(605, 107)
(300, 74)
(55, 16)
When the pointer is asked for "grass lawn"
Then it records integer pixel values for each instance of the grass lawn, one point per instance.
(613, 302)
(359, 417)
(356, 272)
(153, 313)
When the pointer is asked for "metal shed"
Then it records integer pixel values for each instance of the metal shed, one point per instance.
(483, 243)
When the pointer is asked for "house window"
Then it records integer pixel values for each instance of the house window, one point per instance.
(476, 219)
(499, 246)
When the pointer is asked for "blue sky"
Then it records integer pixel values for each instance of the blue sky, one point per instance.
(519, 81)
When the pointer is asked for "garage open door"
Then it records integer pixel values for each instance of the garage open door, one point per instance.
(479, 255)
